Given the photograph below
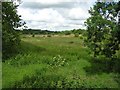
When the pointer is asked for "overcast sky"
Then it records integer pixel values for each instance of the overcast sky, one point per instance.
(55, 15)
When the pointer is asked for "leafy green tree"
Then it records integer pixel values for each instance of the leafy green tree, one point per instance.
(118, 29)
(10, 21)
(102, 31)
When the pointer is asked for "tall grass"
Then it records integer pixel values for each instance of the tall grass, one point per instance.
(55, 63)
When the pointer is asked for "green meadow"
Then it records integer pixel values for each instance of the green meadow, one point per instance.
(55, 62)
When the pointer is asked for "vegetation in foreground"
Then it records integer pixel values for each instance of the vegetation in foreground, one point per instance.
(56, 62)
(48, 62)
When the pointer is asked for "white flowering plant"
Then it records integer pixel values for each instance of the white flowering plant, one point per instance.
(58, 61)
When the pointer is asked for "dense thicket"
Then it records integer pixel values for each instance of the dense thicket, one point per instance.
(103, 31)
(10, 21)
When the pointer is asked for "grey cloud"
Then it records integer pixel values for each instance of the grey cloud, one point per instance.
(38, 5)
(62, 8)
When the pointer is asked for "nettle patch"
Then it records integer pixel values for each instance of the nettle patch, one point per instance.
(58, 61)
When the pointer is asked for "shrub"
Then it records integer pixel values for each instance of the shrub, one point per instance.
(81, 37)
(76, 35)
(49, 35)
(71, 42)
(67, 33)
(102, 32)
(33, 35)
(58, 61)
(10, 37)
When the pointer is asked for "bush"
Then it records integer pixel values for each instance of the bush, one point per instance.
(102, 33)
(49, 35)
(10, 44)
(10, 37)
(43, 80)
(33, 35)
(58, 61)
(67, 33)
(81, 37)
(76, 35)
(71, 42)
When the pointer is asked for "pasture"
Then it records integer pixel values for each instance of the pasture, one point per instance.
(55, 62)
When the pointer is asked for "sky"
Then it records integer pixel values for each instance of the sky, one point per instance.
(55, 15)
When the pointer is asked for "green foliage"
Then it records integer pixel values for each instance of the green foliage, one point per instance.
(76, 35)
(41, 79)
(10, 21)
(67, 33)
(33, 35)
(101, 29)
(39, 65)
(81, 37)
(58, 61)
(49, 35)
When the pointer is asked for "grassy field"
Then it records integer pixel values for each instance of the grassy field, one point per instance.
(55, 62)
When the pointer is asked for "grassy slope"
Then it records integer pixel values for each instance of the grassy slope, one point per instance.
(37, 53)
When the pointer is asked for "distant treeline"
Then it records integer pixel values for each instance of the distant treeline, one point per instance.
(37, 31)
(44, 32)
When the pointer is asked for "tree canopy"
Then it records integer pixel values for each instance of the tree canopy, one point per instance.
(103, 30)
(10, 21)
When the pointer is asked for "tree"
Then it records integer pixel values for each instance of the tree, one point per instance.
(10, 21)
(117, 9)
(102, 30)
